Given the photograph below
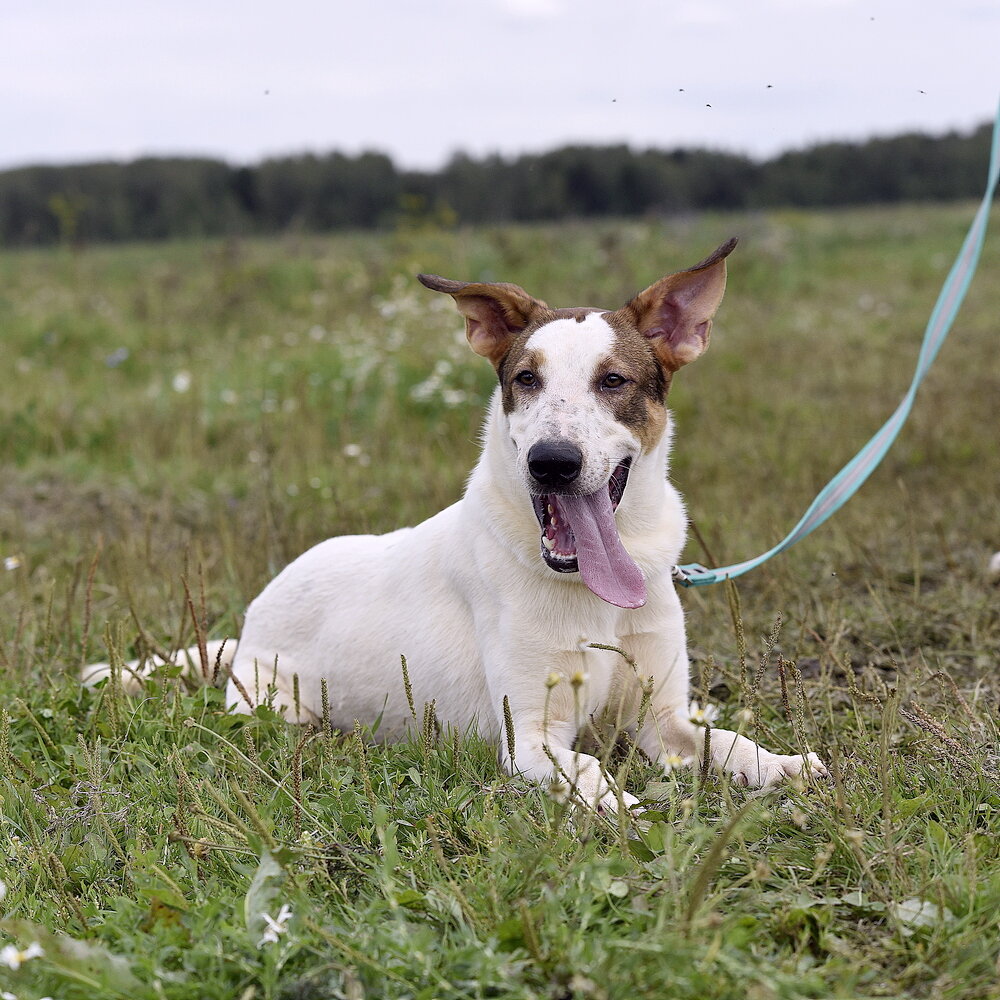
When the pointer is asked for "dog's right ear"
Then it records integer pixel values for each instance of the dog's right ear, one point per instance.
(494, 313)
(675, 314)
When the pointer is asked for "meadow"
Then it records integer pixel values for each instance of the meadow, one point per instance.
(179, 420)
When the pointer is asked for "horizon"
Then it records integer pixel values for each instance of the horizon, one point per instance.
(507, 156)
(236, 83)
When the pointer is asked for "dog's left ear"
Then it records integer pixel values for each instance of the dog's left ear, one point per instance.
(676, 312)
(494, 312)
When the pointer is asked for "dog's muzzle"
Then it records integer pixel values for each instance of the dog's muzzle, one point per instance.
(579, 533)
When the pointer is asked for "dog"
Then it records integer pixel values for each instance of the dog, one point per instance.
(539, 608)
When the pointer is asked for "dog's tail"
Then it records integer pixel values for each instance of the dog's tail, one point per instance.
(217, 659)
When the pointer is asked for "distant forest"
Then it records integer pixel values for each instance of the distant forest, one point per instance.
(162, 198)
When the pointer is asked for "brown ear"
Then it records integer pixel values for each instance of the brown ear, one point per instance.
(676, 312)
(494, 312)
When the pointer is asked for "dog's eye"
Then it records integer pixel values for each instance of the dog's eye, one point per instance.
(526, 378)
(613, 381)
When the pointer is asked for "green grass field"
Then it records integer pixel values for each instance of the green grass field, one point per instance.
(178, 421)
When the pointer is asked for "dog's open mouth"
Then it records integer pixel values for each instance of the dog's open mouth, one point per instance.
(579, 534)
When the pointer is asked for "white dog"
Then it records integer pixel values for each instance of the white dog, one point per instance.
(565, 538)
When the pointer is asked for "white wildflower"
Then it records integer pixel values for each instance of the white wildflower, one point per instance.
(14, 958)
(12, 563)
(674, 761)
(3, 890)
(702, 715)
(352, 450)
(423, 391)
(453, 397)
(275, 926)
(181, 381)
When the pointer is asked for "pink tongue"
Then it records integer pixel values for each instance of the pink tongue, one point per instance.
(607, 569)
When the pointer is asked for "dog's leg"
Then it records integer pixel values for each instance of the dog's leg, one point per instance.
(547, 717)
(672, 732)
(543, 754)
(134, 672)
(668, 729)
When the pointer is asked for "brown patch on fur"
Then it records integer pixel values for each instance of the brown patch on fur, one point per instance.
(640, 404)
(515, 361)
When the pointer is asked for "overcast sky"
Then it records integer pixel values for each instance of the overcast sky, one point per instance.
(420, 80)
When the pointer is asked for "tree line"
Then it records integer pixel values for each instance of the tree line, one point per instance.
(167, 197)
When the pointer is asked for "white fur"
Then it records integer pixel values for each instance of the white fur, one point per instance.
(466, 597)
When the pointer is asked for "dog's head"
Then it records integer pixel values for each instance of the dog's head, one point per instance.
(583, 392)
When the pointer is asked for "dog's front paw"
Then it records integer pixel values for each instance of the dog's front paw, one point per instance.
(591, 788)
(768, 769)
(609, 803)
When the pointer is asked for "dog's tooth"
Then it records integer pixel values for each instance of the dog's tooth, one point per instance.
(549, 543)
(549, 509)
(554, 522)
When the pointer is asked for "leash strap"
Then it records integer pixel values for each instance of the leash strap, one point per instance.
(847, 482)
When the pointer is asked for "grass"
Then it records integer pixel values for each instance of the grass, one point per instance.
(180, 420)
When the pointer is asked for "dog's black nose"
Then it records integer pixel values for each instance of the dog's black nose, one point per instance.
(554, 463)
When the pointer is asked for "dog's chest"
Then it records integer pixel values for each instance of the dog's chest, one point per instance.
(588, 681)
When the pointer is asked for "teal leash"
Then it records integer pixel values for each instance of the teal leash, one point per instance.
(847, 482)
